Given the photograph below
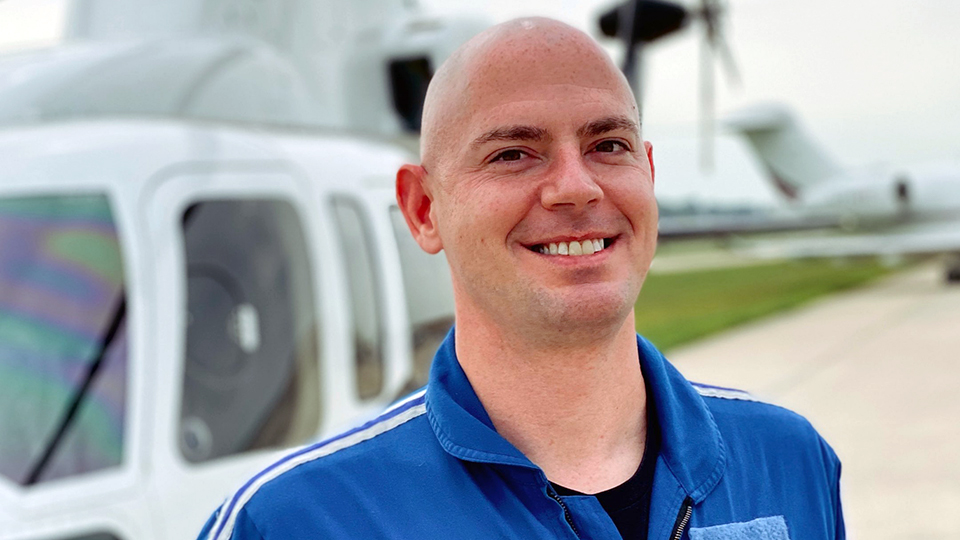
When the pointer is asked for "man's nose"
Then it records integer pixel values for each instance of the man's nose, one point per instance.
(570, 184)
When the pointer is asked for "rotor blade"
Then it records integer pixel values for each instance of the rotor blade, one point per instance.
(727, 60)
(626, 30)
(638, 76)
(706, 104)
(630, 64)
(631, 57)
(711, 13)
(631, 67)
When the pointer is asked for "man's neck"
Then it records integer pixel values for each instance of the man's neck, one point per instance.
(578, 410)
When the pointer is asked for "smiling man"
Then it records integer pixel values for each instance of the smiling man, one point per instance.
(546, 416)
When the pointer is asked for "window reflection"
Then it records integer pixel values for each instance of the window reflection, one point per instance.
(251, 375)
(61, 299)
(358, 251)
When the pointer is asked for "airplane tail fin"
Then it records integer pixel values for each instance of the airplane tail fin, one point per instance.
(793, 160)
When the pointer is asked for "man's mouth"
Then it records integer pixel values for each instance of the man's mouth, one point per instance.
(573, 248)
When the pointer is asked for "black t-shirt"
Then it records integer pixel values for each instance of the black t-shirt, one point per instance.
(628, 504)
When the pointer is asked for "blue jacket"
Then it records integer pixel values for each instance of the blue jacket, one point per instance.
(433, 466)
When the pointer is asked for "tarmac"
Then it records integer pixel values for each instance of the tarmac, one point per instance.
(877, 372)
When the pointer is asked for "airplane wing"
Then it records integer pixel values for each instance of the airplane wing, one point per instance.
(929, 238)
(701, 225)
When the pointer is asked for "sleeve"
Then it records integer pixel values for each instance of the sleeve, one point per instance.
(841, 533)
(831, 502)
(242, 528)
(208, 526)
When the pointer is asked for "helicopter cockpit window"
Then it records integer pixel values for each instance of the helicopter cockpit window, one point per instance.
(251, 370)
(368, 325)
(63, 344)
(429, 295)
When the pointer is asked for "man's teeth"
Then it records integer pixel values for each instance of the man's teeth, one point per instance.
(586, 247)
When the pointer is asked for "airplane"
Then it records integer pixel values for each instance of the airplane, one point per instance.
(202, 259)
(883, 211)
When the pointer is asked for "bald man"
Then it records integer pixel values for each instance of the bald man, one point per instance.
(545, 416)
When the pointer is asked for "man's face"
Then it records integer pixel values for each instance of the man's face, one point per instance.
(547, 158)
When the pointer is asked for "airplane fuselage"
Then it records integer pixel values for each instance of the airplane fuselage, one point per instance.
(877, 197)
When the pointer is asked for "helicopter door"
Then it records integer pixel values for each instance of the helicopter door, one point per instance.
(237, 293)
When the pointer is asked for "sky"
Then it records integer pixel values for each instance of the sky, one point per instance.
(876, 81)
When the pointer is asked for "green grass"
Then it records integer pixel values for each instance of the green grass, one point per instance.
(674, 309)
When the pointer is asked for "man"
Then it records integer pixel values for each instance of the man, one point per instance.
(545, 415)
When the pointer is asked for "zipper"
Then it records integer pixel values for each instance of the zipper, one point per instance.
(566, 511)
(683, 519)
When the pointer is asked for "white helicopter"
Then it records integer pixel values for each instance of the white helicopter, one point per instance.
(202, 262)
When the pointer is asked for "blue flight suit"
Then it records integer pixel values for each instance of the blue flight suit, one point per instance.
(433, 466)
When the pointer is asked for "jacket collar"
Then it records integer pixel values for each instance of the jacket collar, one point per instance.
(459, 420)
(690, 444)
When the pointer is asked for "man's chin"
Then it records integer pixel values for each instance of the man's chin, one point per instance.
(589, 315)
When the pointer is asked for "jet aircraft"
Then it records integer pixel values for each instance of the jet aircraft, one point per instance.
(884, 211)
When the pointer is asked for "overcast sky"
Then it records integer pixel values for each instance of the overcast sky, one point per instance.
(874, 80)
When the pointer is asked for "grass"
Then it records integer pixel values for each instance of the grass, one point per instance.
(674, 309)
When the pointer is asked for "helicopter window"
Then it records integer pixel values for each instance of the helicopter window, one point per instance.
(63, 345)
(409, 78)
(251, 375)
(358, 249)
(429, 295)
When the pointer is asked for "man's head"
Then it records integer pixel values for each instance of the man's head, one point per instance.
(531, 137)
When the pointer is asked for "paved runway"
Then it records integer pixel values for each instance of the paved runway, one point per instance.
(877, 371)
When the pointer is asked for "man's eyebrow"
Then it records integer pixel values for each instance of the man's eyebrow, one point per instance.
(511, 133)
(605, 125)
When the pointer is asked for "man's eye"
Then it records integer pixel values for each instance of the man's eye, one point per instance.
(508, 155)
(610, 146)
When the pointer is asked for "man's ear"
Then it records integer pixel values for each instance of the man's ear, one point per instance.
(416, 203)
(649, 147)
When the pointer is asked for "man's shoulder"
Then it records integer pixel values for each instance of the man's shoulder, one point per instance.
(341, 468)
(390, 439)
(742, 407)
(744, 418)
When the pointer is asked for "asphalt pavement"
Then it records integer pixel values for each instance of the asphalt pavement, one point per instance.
(877, 372)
